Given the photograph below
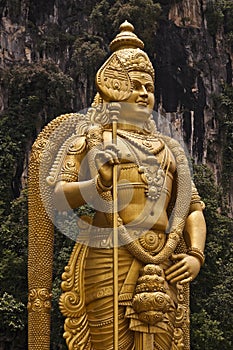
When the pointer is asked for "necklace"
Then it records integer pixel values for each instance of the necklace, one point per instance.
(152, 172)
(147, 141)
(138, 134)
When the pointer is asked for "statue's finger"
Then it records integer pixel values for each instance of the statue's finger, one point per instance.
(177, 272)
(182, 277)
(178, 256)
(113, 155)
(114, 149)
(174, 267)
(186, 280)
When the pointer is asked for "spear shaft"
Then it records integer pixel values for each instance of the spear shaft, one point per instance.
(115, 111)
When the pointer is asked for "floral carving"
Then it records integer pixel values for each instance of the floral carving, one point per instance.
(39, 299)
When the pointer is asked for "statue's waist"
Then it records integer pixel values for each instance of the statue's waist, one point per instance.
(151, 241)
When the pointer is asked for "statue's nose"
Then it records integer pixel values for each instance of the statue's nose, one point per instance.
(143, 91)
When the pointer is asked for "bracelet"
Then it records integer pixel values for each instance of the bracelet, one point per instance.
(99, 185)
(197, 253)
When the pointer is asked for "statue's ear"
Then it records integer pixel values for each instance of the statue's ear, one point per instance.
(113, 81)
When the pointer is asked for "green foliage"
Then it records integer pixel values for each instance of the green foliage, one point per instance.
(135, 11)
(87, 57)
(211, 296)
(8, 149)
(39, 89)
(53, 40)
(214, 16)
(206, 332)
(11, 313)
(13, 273)
(90, 47)
(219, 13)
(221, 300)
(107, 16)
(36, 93)
(13, 244)
(99, 18)
(224, 115)
(12, 325)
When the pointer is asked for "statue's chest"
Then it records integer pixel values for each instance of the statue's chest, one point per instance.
(145, 159)
(140, 148)
(137, 147)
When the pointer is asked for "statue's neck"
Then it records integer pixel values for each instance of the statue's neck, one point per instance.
(138, 128)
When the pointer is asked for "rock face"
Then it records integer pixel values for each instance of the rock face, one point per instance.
(186, 13)
(191, 64)
(192, 68)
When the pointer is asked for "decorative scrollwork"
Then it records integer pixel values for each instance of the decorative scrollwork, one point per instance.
(69, 304)
(182, 315)
(178, 339)
(39, 299)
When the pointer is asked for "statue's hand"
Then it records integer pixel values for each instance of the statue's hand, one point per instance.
(185, 268)
(105, 160)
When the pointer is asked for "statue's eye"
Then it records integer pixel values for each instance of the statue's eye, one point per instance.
(150, 88)
(136, 85)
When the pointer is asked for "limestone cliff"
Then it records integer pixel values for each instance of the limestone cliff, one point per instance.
(193, 66)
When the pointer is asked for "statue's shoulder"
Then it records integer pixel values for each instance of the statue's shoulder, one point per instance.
(169, 141)
(59, 130)
(77, 145)
(64, 134)
(175, 147)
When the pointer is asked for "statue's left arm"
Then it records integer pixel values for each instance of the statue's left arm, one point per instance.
(187, 266)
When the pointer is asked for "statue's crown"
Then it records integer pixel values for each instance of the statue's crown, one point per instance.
(126, 39)
(112, 79)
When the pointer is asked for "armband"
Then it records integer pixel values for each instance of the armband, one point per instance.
(195, 196)
(196, 200)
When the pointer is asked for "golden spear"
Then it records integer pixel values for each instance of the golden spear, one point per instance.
(114, 108)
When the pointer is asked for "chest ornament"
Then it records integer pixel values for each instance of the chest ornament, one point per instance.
(143, 149)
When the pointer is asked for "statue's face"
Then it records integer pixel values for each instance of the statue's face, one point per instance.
(141, 101)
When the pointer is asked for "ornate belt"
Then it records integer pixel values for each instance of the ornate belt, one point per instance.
(151, 241)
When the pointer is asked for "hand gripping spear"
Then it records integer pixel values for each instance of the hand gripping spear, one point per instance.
(114, 108)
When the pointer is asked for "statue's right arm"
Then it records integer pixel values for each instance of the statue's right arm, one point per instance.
(74, 186)
(71, 195)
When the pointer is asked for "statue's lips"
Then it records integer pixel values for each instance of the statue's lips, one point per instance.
(142, 103)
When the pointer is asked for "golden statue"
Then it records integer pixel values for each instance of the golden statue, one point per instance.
(126, 285)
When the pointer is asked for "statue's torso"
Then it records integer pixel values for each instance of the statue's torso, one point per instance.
(132, 183)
